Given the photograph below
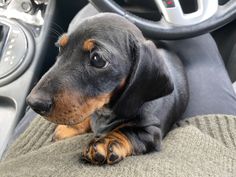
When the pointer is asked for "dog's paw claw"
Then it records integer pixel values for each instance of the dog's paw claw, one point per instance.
(99, 158)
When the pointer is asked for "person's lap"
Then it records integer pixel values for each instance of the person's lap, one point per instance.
(211, 91)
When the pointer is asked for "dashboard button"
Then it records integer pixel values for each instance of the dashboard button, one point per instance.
(169, 3)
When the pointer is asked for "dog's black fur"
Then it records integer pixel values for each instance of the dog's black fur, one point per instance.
(154, 93)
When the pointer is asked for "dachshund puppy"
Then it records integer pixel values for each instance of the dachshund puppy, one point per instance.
(110, 80)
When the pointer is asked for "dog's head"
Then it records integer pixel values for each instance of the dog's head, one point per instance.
(105, 61)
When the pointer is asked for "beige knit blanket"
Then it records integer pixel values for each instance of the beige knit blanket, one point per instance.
(201, 147)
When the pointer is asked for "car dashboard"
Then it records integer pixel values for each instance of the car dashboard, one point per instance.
(24, 27)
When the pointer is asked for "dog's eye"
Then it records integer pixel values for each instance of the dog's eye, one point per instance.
(97, 61)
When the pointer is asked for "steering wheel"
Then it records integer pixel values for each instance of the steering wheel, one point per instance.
(174, 24)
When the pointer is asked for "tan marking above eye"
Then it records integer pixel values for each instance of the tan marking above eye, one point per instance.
(63, 40)
(88, 45)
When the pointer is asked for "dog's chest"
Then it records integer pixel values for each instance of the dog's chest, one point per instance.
(104, 121)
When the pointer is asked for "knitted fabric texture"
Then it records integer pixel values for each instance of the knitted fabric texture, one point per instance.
(200, 146)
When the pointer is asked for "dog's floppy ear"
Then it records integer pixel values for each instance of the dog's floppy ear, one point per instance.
(149, 80)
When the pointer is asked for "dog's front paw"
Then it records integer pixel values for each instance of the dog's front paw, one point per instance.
(66, 131)
(109, 149)
(63, 132)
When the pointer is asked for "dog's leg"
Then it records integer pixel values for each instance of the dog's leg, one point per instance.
(67, 131)
(121, 143)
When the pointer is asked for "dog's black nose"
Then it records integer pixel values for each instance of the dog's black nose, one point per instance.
(40, 104)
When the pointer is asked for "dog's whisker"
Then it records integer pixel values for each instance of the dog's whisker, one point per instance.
(54, 31)
(59, 27)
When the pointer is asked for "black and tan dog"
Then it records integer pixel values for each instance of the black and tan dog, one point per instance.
(109, 79)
